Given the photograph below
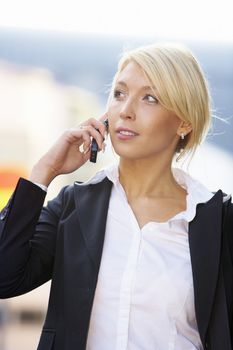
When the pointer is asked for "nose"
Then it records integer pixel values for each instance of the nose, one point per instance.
(128, 109)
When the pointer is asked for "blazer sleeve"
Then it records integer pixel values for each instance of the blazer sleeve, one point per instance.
(27, 239)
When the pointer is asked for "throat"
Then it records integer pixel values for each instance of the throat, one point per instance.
(144, 182)
(156, 209)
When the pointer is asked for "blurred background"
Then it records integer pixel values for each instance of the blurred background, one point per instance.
(57, 60)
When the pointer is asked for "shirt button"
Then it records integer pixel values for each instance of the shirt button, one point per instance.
(3, 214)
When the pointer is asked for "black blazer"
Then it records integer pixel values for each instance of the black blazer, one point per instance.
(64, 242)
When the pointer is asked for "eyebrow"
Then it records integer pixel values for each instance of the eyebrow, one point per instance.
(147, 87)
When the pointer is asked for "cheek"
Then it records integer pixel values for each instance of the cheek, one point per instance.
(112, 103)
(167, 124)
(111, 125)
(163, 132)
(112, 116)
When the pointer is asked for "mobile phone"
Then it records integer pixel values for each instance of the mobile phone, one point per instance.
(94, 146)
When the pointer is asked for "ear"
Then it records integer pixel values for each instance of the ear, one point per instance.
(184, 128)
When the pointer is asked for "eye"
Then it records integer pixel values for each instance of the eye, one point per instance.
(118, 94)
(150, 98)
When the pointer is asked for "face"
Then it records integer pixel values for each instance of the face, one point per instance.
(139, 126)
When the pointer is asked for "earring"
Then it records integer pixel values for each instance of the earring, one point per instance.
(182, 142)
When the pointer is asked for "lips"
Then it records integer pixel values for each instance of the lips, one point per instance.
(125, 133)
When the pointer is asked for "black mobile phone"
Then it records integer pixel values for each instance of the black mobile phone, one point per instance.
(94, 146)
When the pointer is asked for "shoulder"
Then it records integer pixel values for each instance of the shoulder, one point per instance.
(64, 200)
(70, 194)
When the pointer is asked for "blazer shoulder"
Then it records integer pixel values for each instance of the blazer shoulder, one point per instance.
(70, 195)
(64, 199)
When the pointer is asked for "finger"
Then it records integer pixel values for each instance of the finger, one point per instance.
(103, 117)
(81, 138)
(88, 132)
(86, 155)
(97, 124)
(86, 142)
(96, 135)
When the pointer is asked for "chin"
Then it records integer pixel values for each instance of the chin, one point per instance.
(134, 151)
(123, 151)
(129, 154)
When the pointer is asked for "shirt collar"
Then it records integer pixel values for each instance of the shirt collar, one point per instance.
(111, 172)
(196, 192)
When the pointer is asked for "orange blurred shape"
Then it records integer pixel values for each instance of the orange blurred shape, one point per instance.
(10, 176)
(8, 180)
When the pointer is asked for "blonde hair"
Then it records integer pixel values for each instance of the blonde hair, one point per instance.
(179, 84)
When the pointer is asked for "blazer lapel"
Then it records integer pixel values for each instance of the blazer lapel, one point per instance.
(92, 207)
(205, 246)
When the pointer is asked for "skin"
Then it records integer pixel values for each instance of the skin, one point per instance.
(66, 155)
(145, 159)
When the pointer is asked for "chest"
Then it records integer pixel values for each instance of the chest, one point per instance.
(159, 248)
(156, 209)
(144, 274)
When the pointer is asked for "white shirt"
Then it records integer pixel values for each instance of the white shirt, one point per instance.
(144, 298)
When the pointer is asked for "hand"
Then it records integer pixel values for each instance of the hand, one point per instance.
(69, 152)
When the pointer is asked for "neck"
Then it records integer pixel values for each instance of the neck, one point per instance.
(146, 177)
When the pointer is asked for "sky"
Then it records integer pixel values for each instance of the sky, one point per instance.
(196, 19)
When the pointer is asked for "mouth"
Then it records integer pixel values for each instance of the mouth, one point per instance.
(125, 134)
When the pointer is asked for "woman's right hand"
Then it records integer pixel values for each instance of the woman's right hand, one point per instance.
(65, 156)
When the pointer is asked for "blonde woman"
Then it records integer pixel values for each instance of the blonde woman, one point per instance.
(140, 256)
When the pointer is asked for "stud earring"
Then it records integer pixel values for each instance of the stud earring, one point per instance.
(182, 136)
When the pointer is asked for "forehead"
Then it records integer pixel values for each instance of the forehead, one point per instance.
(132, 74)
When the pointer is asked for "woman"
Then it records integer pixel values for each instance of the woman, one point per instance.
(140, 256)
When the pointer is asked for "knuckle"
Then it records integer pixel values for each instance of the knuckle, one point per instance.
(92, 120)
(67, 132)
(89, 121)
